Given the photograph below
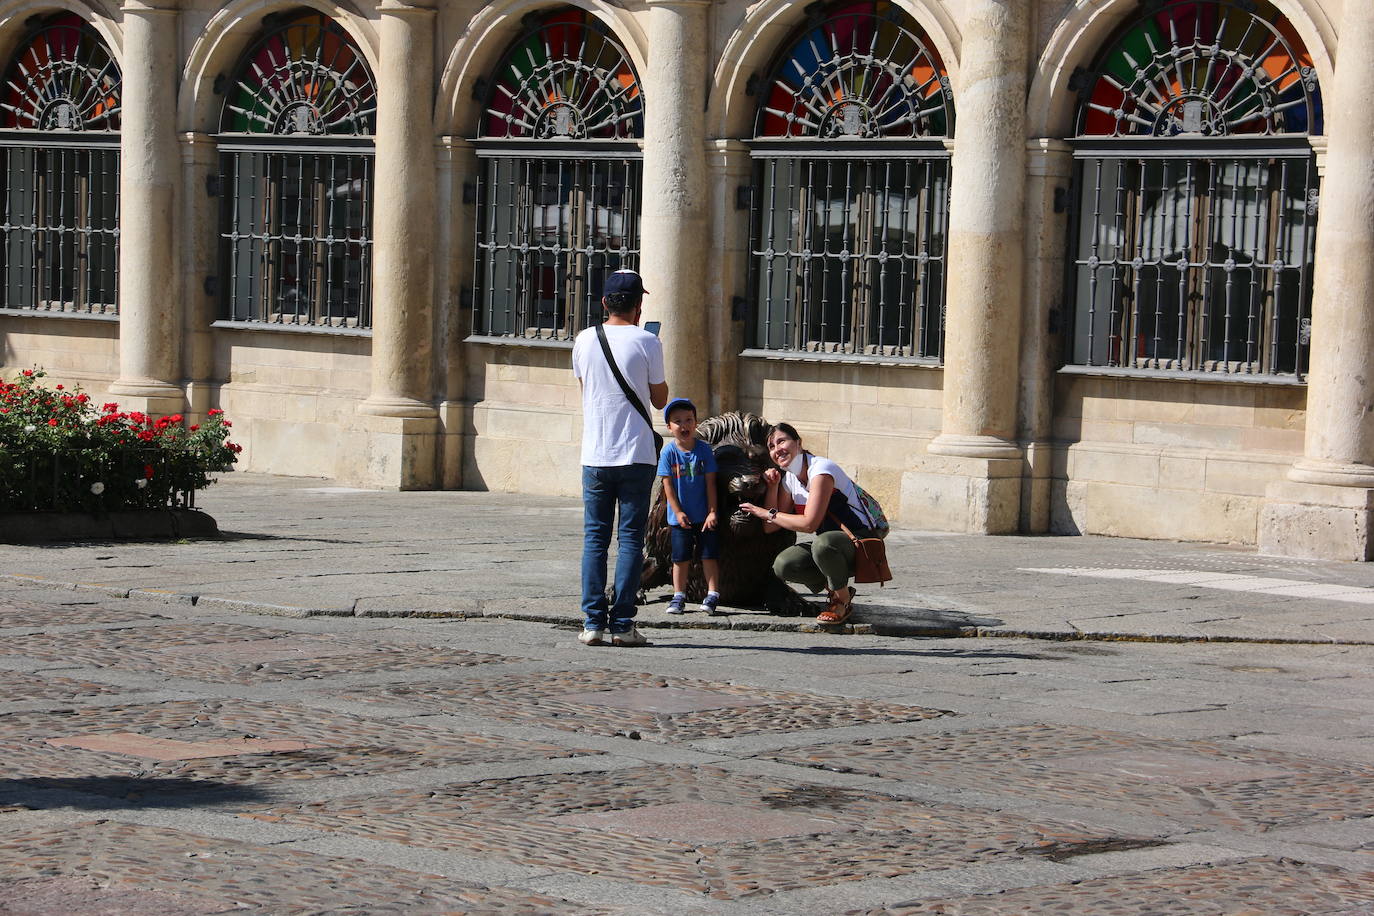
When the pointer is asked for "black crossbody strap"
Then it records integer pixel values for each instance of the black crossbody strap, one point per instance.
(630, 395)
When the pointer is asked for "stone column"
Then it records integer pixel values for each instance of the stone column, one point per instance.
(402, 440)
(199, 257)
(673, 237)
(727, 270)
(1326, 507)
(150, 372)
(970, 481)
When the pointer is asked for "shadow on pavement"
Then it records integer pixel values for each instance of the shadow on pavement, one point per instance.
(96, 793)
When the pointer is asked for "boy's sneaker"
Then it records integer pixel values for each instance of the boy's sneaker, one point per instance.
(678, 605)
(630, 637)
(710, 604)
(592, 637)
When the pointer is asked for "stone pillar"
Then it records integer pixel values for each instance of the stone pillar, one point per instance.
(150, 372)
(199, 259)
(1049, 175)
(673, 237)
(402, 436)
(727, 270)
(1326, 507)
(456, 166)
(971, 478)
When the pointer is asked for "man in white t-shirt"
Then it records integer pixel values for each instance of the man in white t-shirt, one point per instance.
(619, 459)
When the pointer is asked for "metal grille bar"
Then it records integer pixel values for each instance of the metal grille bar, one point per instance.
(549, 231)
(850, 255)
(60, 237)
(296, 237)
(1196, 264)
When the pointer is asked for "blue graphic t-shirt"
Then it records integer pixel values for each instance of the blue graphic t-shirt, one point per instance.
(686, 474)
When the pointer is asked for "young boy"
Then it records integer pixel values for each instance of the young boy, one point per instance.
(688, 469)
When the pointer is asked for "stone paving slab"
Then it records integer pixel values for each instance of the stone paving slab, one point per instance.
(783, 835)
(657, 708)
(1274, 888)
(150, 867)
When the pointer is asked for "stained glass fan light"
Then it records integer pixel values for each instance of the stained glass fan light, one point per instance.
(1210, 69)
(62, 78)
(863, 71)
(566, 79)
(306, 77)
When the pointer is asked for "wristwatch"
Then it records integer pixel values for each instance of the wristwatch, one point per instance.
(773, 515)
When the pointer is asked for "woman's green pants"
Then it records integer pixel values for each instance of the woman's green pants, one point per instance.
(826, 562)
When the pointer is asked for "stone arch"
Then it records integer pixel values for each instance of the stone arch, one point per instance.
(228, 34)
(487, 36)
(1085, 29)
(14, 16)
(758, 38)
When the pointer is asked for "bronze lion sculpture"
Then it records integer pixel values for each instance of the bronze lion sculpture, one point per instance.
(746, 551)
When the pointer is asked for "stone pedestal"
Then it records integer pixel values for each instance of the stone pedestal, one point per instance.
(987, 256)
(972, 495)
(673, 238)
(1323, 509)
(150, 168)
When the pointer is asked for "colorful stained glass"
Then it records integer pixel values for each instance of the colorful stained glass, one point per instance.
(305, 77)
(62, 78)
(1207, 68)
(865, 70)
(567, 79)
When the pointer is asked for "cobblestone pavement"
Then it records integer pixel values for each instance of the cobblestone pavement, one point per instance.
(165, 758)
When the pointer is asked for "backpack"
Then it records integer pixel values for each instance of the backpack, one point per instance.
(874, 511)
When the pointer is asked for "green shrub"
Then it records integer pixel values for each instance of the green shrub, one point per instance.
(59, 453)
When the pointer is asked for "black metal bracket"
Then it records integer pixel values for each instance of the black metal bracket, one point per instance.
(220, 80)
(739, 308)
(1061, 200)
(212, 185)
(751, 85)
(465, 297)
(744, 197)
(479, 89)
(469, 192)
(211, 286)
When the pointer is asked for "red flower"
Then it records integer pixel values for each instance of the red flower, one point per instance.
(147, 472)
(110, 408)
(52, 422)
(28, 372)
(227, 423)
(59, 387)
(212, 412)
(195, 426)
(175, 418)
(146, 435)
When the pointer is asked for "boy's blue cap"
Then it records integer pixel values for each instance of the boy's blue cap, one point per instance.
(624, 281)
(675, 404)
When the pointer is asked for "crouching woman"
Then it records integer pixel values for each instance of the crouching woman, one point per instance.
(807, 495)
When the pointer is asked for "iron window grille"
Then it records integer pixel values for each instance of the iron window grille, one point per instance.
(59, 151)
(851, 198)
(296, 179)
(558, 197)
(1197, 209)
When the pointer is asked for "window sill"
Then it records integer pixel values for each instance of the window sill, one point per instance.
(1178, 375)
(53, 313)
(544, 343)
(857, 359)
(273, 327)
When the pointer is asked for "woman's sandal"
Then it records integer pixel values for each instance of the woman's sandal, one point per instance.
(837, 612)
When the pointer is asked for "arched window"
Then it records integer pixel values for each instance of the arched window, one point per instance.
(296, 178)
(852, 188)
(59, 141)
(559, 198)
(1197, 206)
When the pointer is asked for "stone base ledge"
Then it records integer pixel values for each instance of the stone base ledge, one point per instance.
(1317, 522)
(128, 524)
(971, 495)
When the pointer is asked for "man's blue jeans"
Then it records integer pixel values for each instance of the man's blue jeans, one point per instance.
(603, 490)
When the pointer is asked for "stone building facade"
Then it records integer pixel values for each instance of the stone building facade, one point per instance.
(1097, 266)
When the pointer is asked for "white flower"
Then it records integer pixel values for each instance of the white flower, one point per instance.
(97, 488)
(140, 483)
(30, 428)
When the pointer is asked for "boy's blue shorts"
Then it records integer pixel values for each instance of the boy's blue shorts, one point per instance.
(687, 540)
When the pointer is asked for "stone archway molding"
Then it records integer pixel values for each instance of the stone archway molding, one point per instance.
(103, 17)
(1086, 27)
(479, 48)
(227, 35)
(758, 39)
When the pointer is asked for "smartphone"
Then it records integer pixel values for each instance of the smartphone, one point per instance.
(652, 327)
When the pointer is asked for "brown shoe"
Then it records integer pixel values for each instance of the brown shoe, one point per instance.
(839, 609)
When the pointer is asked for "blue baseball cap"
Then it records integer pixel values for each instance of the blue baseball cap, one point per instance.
(676, 404)
(624, 281)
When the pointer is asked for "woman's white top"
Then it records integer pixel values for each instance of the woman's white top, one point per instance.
(845, 501)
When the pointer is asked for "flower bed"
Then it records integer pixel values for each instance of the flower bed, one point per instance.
(59, 453)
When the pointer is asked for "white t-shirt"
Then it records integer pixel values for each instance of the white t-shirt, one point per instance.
(849, 511)
(613, 432)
